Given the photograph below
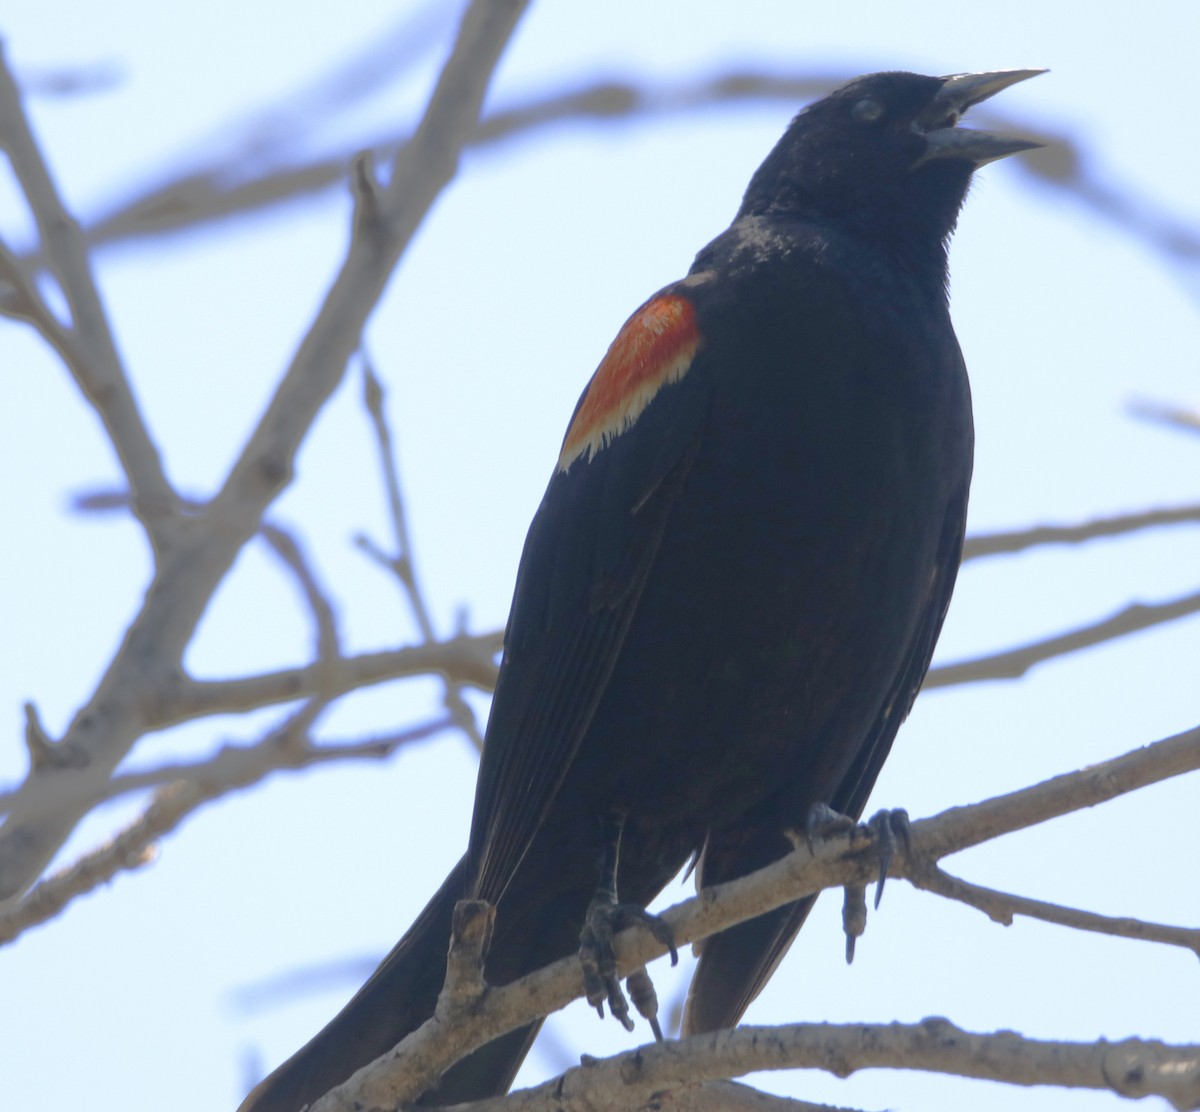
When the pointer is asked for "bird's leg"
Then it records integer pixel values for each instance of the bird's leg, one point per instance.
(886, 830)
(606, 916)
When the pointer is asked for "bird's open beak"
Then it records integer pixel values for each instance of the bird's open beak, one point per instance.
(937, 123)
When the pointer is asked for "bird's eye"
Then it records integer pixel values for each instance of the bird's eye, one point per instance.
(867, 111)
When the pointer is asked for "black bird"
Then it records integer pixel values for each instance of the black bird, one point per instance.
(731, 591)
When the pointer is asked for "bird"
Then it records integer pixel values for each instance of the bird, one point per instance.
(731, 591)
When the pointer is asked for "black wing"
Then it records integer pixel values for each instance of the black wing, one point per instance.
(587, 557)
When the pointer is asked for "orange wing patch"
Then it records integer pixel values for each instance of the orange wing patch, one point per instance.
(654, 347)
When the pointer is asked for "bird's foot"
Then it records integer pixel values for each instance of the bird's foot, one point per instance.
(886, 830)
(606, 918)
(822, 822)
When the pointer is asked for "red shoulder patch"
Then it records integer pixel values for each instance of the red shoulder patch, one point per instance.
(654, 347)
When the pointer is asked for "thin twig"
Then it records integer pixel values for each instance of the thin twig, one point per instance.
(1014, 663)
(92, 358)
(467, 659)
(24, 303)
(1001, 907)
(401, 563)
(961, 828)
(1000, 544)
(130, 849)
(287, 547)
(232, 767)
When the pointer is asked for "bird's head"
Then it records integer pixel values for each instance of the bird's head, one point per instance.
(885, 152)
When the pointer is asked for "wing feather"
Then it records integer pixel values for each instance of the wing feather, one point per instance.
(587, 558)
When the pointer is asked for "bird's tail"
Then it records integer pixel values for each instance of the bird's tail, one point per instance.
(399, 996)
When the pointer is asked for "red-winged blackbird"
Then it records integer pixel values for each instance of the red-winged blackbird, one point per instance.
(730, 594)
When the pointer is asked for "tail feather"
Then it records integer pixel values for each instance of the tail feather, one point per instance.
(398, 997)
(735, 964)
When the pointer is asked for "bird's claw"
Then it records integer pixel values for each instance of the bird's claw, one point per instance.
(886, 830)
(890, 829)
(604, 920)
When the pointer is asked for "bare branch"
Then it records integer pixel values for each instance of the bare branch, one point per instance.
(402, 564)
(133, 847)
(412, 1067)
(182, 789)
(130, 849)
(187, 573)
(23, 302)
(467, 659)
(92, 357)
(960, 828)
(1002, 907)
(1014, 663)
(291, 555)
(648, 1077)
(999, 544)
(231, 768)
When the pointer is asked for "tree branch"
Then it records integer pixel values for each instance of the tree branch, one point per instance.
(287, 548)
(1000, 544)
(92, 356)
(133, 846)
(648, 1077)
(1003, 907)
(468, 659)
(188, 572)
(232, 767)
(1014, 663)
(401, 563)
(181, 789)
(414, 1066)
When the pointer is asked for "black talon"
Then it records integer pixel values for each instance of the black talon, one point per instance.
(645, 999)
(890, 828)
